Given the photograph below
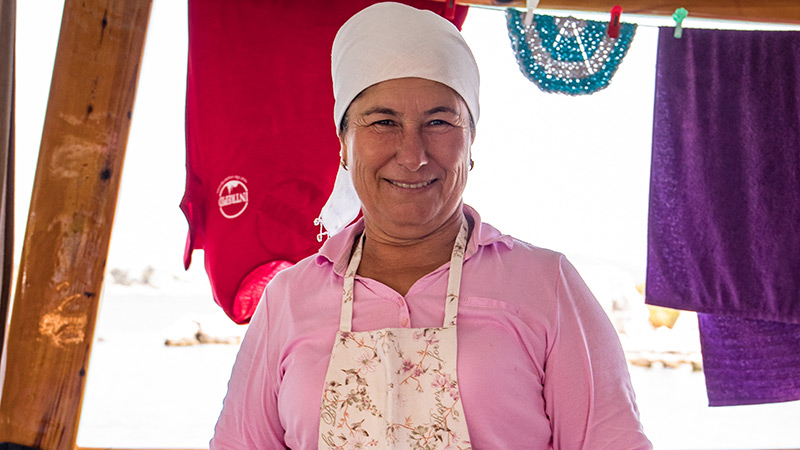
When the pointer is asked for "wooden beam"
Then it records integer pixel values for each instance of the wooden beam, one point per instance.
(8, 17)
(774, 11)
(69, 225)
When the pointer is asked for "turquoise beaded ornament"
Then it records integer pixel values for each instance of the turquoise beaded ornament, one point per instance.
(565, 54)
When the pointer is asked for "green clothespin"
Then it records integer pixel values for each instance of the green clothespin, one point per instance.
(678, 16)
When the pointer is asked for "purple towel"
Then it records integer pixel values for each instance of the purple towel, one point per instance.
(749, 361)
(724, 224)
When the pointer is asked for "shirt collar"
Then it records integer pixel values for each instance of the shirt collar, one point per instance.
(336, 250)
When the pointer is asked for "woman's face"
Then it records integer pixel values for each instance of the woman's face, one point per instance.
(407, 145)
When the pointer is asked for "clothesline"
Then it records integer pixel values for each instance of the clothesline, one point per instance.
(653, 21)
(769, 11)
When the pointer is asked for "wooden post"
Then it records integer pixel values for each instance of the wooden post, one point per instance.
(72, 208)
(8, 17)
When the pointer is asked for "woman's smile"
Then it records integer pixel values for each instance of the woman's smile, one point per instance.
(409, 185)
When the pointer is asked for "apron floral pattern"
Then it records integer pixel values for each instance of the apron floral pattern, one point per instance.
(395, 388)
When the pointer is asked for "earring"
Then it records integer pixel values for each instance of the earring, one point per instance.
(343, 164)
(471, 164)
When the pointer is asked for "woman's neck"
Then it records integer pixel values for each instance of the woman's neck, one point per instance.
(400, 262)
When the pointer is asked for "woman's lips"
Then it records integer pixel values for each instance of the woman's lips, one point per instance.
(403, 185)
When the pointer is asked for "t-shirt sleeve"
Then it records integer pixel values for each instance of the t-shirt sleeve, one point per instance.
(587, 388)
(249, 417)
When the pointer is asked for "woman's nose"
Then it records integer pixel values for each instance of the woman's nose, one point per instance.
(412, 151)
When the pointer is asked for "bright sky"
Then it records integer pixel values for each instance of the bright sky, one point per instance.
(566, 173)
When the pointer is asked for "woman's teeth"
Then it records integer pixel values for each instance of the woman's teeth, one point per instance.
(411, 186)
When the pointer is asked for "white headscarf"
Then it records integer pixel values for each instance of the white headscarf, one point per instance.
(383, 42)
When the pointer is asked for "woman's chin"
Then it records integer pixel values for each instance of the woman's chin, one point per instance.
(411, 220)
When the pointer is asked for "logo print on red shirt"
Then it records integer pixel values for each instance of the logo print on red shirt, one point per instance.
(232, 193)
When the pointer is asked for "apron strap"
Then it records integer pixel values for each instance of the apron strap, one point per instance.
(454, 280)
(346, 319)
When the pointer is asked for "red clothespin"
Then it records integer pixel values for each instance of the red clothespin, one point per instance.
(450, 10)
(613, 24)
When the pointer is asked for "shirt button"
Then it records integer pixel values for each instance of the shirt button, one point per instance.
(404, 322)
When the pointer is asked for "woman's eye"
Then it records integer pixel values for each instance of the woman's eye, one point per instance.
(437, 122)
(385, 122)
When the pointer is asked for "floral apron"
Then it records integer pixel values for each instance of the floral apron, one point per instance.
(395, 388)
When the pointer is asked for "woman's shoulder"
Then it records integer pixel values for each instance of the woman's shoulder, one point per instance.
(524, 249)
(488, 238)
(512, 252)
(521, 273)
(306, 273)
(302, 297)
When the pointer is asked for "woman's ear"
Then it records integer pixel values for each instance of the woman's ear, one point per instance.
(342, 152)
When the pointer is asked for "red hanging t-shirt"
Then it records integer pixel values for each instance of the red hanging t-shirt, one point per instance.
(262, 150)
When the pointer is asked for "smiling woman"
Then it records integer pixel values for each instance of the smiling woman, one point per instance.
(394, 333)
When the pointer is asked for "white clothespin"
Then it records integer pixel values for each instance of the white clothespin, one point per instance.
(528, 19)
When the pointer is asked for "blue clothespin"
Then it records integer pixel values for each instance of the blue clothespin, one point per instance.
(678, 16)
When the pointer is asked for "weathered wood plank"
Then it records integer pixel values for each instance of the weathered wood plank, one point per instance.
(7, 43)
(776, 11)
(72, 208)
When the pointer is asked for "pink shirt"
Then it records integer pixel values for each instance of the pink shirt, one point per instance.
(539, 364)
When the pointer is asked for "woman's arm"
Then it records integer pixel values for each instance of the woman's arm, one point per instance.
(249, 418)
(587, 388)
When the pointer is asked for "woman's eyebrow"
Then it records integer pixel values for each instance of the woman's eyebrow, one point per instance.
(391, 112)
(380, 110)
(439, 109)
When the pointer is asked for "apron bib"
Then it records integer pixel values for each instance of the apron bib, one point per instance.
(395, 388)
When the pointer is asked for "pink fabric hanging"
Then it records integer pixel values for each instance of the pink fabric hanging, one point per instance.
(262, 151)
